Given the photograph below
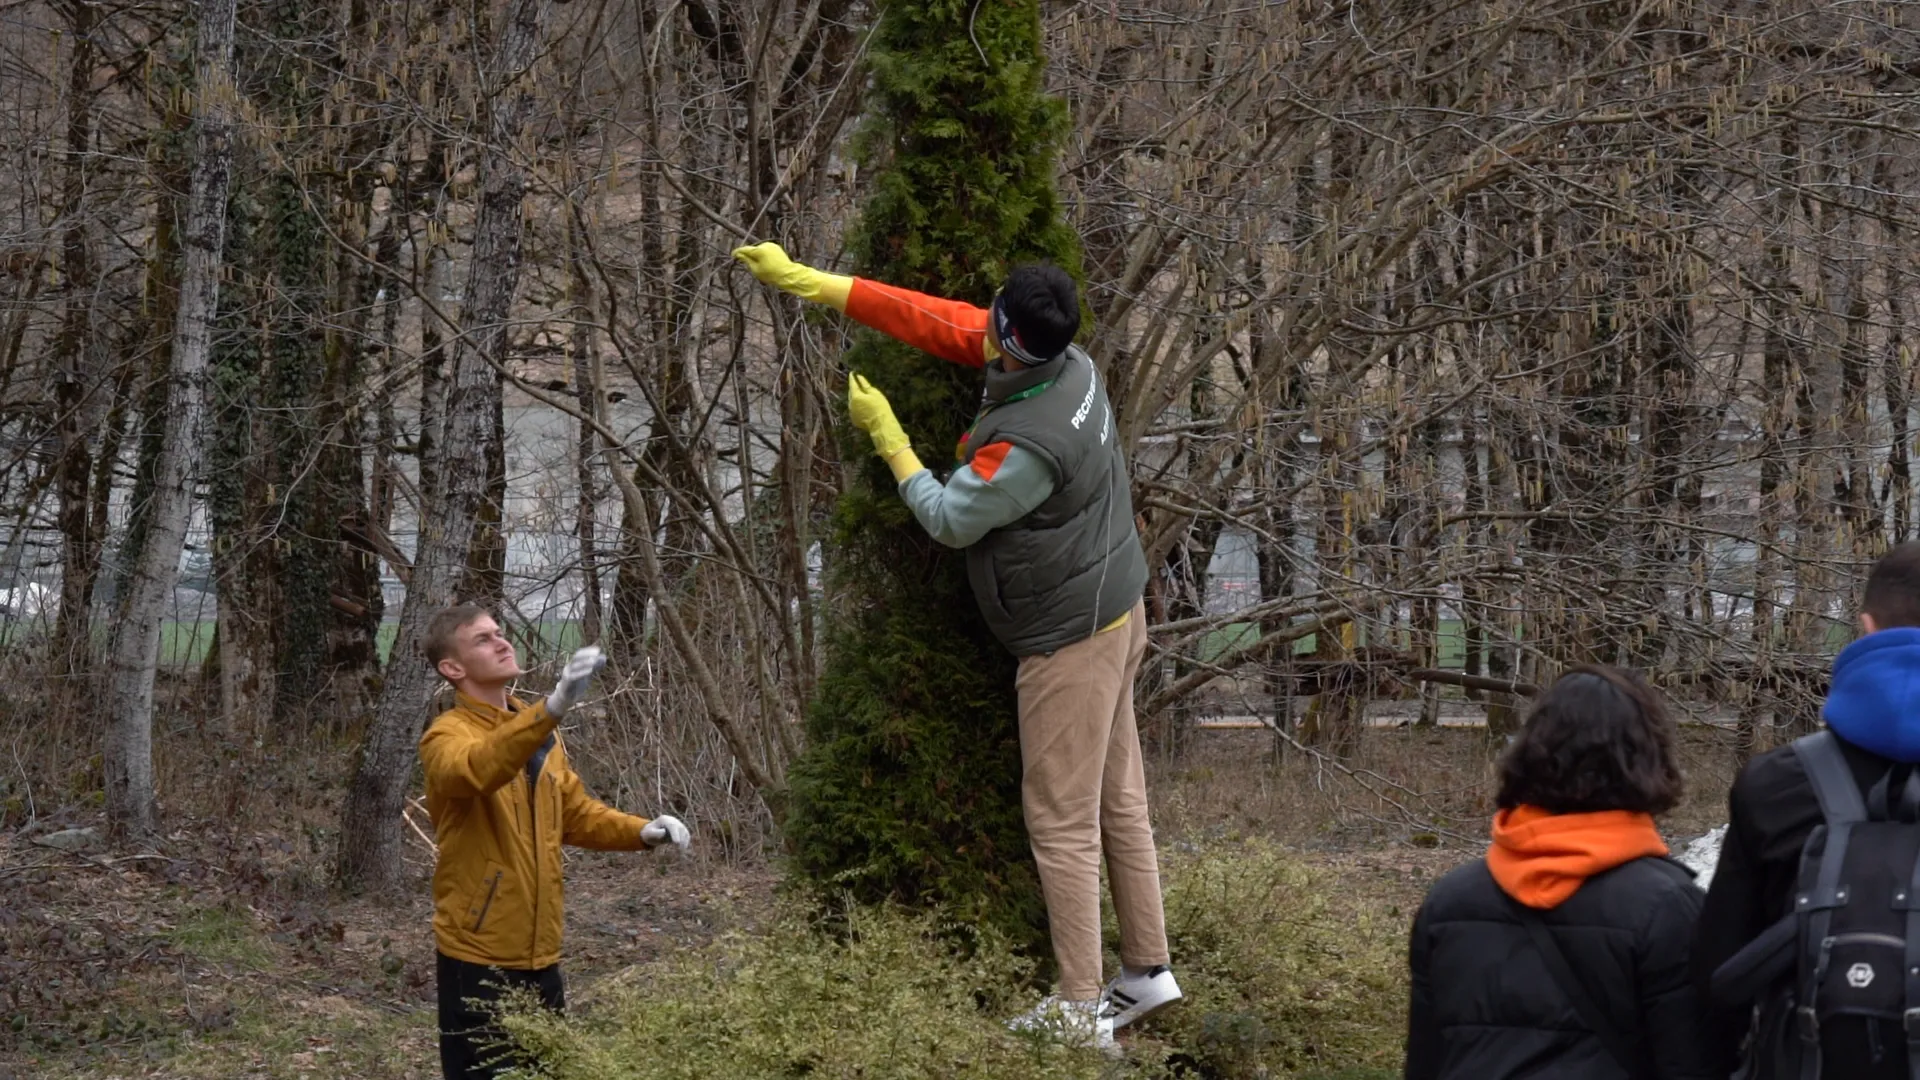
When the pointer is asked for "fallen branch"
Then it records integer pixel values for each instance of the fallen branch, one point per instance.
(1270, 642)
(49, 865)
(97, 862)
(1471, 682)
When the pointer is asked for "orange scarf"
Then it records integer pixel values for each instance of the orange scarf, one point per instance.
(1541, 859)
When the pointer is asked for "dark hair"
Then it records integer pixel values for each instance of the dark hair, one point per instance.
(1893, 587)
(1598, 739)
(1044, 307)
(444, 627)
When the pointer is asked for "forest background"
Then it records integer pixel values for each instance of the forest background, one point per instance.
(1453, 343)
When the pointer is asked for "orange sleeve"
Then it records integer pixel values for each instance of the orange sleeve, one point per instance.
(952, 330)
(988, 459)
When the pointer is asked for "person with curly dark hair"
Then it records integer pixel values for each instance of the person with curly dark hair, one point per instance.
(1564, 952)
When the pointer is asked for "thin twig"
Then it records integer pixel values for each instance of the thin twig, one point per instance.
(407, 816)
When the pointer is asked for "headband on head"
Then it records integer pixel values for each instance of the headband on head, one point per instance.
(1007, 338)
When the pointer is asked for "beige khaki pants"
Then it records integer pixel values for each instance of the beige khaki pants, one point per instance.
(1085, 790)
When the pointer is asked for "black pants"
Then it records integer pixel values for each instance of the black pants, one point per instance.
(468, 1034)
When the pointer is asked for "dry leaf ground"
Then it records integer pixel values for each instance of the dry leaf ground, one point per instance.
(220, 952)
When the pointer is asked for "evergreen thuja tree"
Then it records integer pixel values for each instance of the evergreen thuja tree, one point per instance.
(910, 786)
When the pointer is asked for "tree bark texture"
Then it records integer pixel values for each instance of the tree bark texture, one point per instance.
(156, 564)
(79, 379)
(370, 835)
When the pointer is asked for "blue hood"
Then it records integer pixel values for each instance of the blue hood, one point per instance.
(1874, 702)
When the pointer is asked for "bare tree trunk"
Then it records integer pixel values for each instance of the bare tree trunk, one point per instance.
(1334, 719)
(240, 479)
(369, 855)
(1897, 384)
(1473, 602)
(486, 580)
(1426, 615)
(349, 673)
(1896, 367)
(78, 383)
(1502, 488)
(1853, 485)
(1775, 362)
(429, 196)
(156, 565)
(586, 448)
(247, 599)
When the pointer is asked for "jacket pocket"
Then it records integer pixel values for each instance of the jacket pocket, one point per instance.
(490, 886)
(983, 574)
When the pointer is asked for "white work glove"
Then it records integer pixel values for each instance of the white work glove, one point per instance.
(574, 679)
(663, 829)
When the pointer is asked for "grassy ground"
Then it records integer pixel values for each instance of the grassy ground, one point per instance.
(226, 962)
(1288, 968)
(197, 988)
(1289, 887)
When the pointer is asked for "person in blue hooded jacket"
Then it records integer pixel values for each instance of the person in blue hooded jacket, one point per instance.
(1873, 709)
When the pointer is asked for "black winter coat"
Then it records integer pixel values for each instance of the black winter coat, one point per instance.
(1770, 812)
(1485, 1007)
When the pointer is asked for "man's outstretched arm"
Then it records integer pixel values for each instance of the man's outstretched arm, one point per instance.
(589, 823)
(952, 330)
(462, 762)
(999, 484)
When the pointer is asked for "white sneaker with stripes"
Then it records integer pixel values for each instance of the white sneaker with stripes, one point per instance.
(1131, 998)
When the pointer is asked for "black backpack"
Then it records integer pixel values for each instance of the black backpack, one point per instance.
(1844, 965)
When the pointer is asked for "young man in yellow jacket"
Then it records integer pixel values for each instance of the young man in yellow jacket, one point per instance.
(503, 799)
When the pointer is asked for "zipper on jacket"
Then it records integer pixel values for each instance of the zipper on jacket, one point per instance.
(492, 887)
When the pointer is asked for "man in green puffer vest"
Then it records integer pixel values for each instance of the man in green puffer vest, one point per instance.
(1040, 500)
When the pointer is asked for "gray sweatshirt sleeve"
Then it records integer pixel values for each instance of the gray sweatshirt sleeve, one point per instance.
(1002, 484)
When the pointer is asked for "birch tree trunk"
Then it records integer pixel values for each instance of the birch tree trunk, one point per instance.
(370, 838)
(155, 566)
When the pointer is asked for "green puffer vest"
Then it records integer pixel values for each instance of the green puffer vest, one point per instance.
(1073, 564)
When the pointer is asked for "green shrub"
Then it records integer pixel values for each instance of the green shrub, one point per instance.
(1286, 975)
(1287, 972)
(889, 998)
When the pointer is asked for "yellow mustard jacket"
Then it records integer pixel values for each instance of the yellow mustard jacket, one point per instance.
(497, 893)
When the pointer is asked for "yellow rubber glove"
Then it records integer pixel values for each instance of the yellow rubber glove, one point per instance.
(872, 414)
(770, 264)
